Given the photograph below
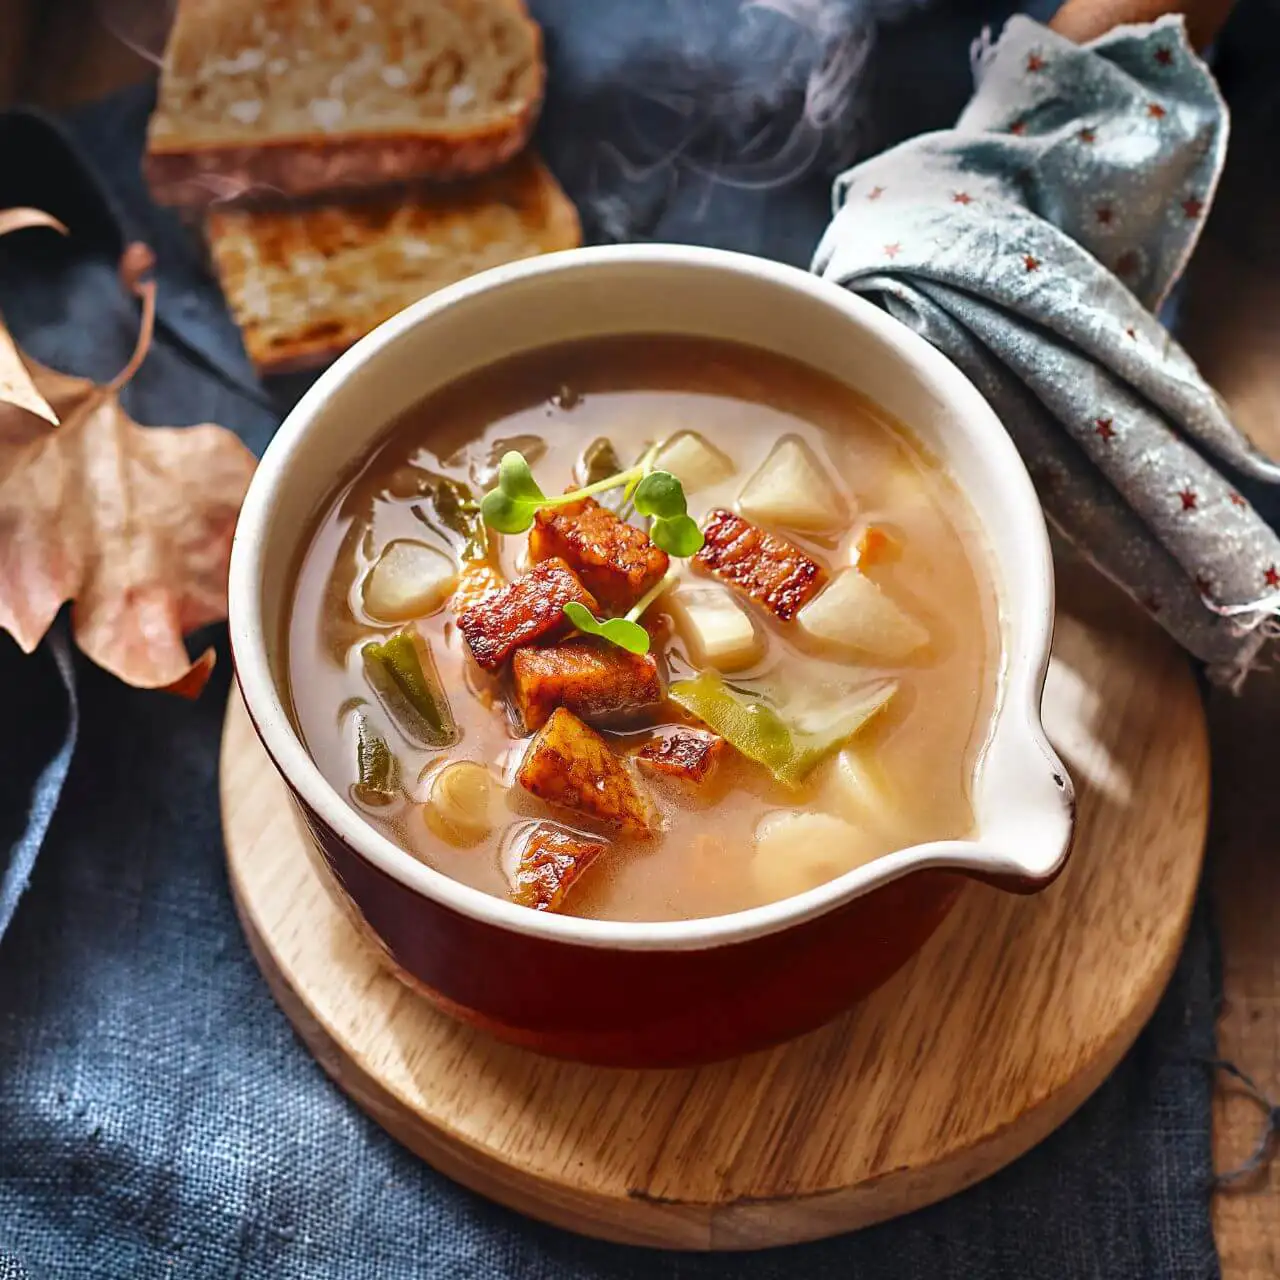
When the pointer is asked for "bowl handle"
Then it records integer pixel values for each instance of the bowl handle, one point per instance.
(1027, 808)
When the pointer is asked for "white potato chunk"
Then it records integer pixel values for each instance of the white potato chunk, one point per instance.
(852, 615)
(715, 628)
(792, 488)
(797, 851)
(853, 786)
(410, 580)
(463, 802)
(902, 494)
(694, 462)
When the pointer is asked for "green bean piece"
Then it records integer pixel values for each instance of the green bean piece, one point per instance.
(377, 769)
(402, 672)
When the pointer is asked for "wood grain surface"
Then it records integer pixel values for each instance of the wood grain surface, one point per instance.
(1231, 325)
(1012, 1015)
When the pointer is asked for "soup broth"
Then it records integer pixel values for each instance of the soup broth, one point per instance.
(842, 576)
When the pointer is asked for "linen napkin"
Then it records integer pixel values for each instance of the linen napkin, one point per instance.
(1031, 243)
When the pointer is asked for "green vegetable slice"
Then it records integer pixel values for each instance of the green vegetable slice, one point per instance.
(402, 672)
(761, 734)
(450, 507)
(600, 461)
(377, 769)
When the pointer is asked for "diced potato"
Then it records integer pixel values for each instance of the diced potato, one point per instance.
(853, 786)
(715, 628)
(694, 462)
(792, 489)
(797, 851)
(902, 494)
(852, 615)
(409, 580)
(463, 803)
(568, 763)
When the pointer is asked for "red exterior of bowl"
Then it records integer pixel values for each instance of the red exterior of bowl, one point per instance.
(642, 1008)
(532, 979)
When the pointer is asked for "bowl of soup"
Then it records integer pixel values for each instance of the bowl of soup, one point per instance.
(652, 640)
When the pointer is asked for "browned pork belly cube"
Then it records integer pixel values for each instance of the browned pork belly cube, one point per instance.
(591, 678)
(616, 561)
(569, 764)
(766, 568)
(690, 755)
(529, 609)
(551, 863)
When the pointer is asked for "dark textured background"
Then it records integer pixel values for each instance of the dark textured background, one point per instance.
(157, 1115)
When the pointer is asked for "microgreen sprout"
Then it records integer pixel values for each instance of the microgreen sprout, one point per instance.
(626, 632)
(511, 507)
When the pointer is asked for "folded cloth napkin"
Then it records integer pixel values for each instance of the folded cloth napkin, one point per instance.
(1031, 244)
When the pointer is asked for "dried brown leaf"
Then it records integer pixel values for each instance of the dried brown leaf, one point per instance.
(133, 524)
(16, 386)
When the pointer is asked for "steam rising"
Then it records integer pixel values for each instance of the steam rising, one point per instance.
(139, 25)
(754, 95)
(748, 94)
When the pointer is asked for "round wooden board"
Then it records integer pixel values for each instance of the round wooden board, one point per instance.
(1012, 1015)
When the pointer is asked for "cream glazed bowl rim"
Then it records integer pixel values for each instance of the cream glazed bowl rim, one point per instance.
(1023, 798)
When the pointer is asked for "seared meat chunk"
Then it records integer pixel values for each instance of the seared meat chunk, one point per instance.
(768, 569)
(570, 764)
(688, 754)
(589, 677)
(551, 862)
(616, 561)
(531, 608)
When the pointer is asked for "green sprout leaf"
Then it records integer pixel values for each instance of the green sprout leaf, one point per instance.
(504, 513)
(515, 479)
(679, 536)
(660, 495)
(511, 507)
(626, 634)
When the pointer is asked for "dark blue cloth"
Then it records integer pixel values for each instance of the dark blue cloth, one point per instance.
(157, 1115)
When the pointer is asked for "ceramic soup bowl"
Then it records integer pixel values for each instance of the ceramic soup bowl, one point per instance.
(685, 991)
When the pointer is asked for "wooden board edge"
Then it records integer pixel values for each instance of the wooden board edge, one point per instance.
(655, 1222)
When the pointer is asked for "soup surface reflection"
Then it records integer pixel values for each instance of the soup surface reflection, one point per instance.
(820, 676)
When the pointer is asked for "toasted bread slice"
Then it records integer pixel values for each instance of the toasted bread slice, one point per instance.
(297, 97)
(305, 283)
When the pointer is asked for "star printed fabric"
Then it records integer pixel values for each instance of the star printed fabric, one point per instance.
(1032, 244)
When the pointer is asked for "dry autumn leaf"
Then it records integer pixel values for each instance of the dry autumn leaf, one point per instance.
(16, 385)
(132, 524)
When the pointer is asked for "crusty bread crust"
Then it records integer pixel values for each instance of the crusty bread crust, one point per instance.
(197, 177)
(201, 152)
(305, 282)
